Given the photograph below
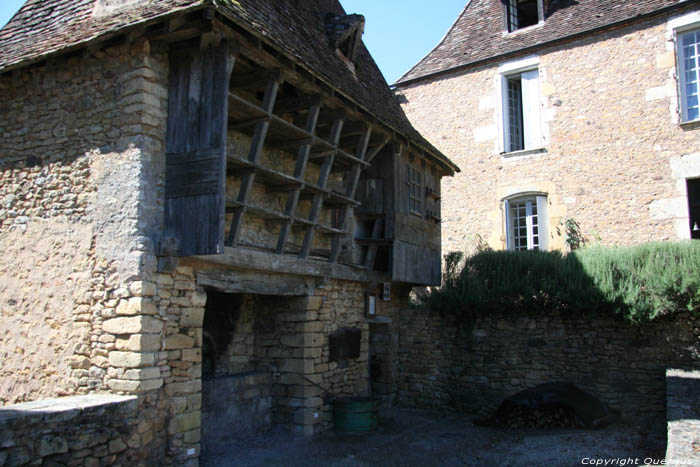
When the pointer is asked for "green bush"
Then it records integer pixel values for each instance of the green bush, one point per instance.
(640, 282)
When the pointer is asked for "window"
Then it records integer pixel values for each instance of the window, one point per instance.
(521, 111)
(689, 62)
(414, 191)
(521, 13)
(526, 223)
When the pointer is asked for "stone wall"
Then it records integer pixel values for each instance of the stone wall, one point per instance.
(84, 431)
(683, 415)
(80, 157)
(445, 363)
(615, 156)
(235, 407)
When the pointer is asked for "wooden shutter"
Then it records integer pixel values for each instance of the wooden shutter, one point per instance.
(543, 221)
(508, 225)
(532, 126)
(196, 149)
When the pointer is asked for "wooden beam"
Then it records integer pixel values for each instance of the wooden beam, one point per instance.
(374, 152)
(247, 259)
(296, 104)
(256, 148)
(236, 281)
(350, 189)
(317, 202)
(299, 170)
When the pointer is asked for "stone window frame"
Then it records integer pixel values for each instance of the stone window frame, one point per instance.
(508, 13)
(528, 69)
(538, 199)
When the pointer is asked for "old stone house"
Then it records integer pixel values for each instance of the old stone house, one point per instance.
(563, 110)
(204, 204)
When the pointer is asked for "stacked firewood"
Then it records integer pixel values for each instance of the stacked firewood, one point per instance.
(518, 416)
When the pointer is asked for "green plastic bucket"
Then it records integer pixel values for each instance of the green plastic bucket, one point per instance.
(355, 415)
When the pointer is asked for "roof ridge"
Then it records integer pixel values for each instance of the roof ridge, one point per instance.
(440, 42)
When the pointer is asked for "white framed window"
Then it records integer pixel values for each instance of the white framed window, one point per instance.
(527, 225)
(688, 50)
(414, 191)
(521, 14)
(520, 97)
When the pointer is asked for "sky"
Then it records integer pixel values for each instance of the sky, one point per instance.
(398, 33)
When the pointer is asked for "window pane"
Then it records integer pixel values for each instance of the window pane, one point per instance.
(693, 114)
(515, 114)
(692, 101)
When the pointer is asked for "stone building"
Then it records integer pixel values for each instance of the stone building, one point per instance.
(581, 111)
(203, 204)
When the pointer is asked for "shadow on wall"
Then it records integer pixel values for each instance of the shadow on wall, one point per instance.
(608, 320)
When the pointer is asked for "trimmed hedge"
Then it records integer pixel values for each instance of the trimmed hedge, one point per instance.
(640, 282)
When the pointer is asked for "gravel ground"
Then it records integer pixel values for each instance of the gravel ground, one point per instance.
(421, 438)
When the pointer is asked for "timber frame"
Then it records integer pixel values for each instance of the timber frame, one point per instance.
(225, 79)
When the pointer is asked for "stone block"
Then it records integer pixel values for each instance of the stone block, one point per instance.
(193, 436)
(294, 340)
(192, 318)
(131, 359)
(51, 444)
(117, 446)
(178, 341)
(192, 355)
(133, 325)
(123, 385)
(185, 422)
(199, 298)
(142, 374)
(183, 388)
(140, 342)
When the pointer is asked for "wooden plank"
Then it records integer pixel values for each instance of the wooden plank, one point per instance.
(317, 202)
(350, 189)
(415, 264)
(377, 234)
(254, 153)
(196, 149)
(194, 113)
(299, 170)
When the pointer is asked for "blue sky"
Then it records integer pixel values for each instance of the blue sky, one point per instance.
(398, 33)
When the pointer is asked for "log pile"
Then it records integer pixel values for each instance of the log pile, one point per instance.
(518, 416)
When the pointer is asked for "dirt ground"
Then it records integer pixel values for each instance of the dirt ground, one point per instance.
(421, 438)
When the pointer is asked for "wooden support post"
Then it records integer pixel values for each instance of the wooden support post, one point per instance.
(256, 148)
(377, 234)
(317, 202)
(350, 188)
(299, 170)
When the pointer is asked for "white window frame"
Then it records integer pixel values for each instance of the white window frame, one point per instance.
(680, 33)
(527, 70)
(538, 200)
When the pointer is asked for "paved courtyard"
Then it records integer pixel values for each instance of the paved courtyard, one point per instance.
(422, 438)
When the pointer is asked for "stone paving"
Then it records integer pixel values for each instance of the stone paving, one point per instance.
(419, 438)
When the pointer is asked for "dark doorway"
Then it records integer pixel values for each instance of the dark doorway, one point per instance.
(693, 185)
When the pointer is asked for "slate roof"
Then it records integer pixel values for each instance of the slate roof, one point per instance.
(478, 33)
(43, 28)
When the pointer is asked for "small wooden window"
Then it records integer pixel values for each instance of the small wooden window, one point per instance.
(415, 191)
(522, 13)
